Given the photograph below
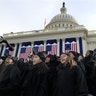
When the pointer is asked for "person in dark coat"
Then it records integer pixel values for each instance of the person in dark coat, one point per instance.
(36, 80)
(90, 72)
(70, 79)
(74, 56)
(51, 62)
(9, 78)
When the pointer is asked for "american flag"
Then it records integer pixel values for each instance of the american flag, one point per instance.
(53, 49)
(31, 52)
(70, 46)
(25, 51)
(35, 48)
(48, 48)
(38, 48)
(41, 48)
(9, 52)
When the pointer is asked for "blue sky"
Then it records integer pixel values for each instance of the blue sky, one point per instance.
(27, 15)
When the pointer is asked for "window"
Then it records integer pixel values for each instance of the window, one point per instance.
(63, 25)
(59, 25)
(66, 25)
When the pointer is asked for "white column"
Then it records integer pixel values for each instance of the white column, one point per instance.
(19, 50)
(44, 45)
(15, 49)
(63, 45)
(0, 49)
(84, 45)
(78, 47)
(58, 45)
(32, 43)
(3, 50)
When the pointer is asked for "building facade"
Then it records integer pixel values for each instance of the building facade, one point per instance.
(62, 34)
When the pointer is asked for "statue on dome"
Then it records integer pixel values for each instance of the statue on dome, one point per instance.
(63, 4)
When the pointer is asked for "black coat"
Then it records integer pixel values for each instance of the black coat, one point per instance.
(36, 81)
(10, 81)
(70, 82)
(52, 73)
(81, 65)
(90, 75)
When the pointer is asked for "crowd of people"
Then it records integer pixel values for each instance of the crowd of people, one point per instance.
(69, 74)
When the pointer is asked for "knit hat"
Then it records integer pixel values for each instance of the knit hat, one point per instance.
(41, 55)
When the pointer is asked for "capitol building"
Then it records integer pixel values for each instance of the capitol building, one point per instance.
(61, 34)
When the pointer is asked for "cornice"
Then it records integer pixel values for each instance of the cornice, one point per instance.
(44, 32)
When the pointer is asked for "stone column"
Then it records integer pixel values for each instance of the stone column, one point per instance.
(63, 45)
(32, 44)
(58, 49)
(3, 50)
(15, 49)
(45, 45)
(84, 45)
(19, 50)
(78, 47)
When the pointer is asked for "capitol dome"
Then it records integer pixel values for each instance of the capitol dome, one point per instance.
(62, 20)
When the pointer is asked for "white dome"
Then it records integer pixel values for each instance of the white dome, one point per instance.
(62, 20)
